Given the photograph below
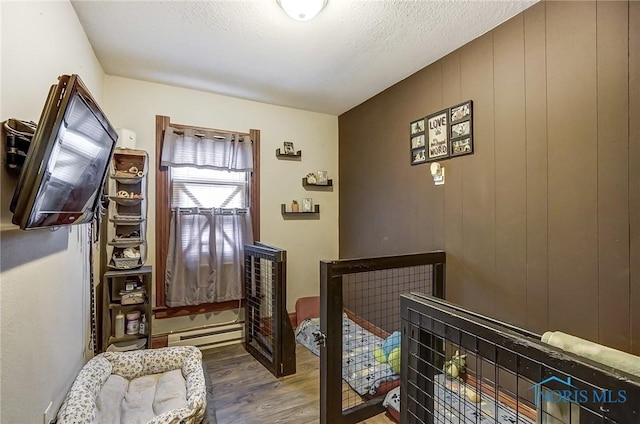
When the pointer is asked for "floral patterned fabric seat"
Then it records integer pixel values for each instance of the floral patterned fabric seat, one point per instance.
(153, 386)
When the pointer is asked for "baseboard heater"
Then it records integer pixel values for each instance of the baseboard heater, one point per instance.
(208, 338)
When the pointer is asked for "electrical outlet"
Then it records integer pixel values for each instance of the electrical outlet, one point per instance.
(49, 414)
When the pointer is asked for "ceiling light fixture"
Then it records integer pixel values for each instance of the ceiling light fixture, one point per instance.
(302, 10)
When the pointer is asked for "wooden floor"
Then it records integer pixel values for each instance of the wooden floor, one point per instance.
(245, 392)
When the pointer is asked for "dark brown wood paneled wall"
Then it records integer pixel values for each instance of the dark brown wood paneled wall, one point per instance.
(510, 160)
(541, 224)
(479, 179)
(435, 211)
(634, 172)
(451, 95)
(535, 88)
(573, 167)
(613, 171)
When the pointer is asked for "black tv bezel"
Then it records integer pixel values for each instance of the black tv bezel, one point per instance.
(33, 171)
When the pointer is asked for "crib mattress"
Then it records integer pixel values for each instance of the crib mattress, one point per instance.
(359, 367)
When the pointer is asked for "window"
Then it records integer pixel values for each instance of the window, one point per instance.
(190, 188)
(206, 189)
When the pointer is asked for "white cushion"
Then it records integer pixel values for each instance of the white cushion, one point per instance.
(110, 398)
(147, 386)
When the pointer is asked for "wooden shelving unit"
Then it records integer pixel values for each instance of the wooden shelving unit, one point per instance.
(124, 233)
(114, 285)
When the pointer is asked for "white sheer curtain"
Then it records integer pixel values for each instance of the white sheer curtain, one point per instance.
(206, 149)
(206, 245)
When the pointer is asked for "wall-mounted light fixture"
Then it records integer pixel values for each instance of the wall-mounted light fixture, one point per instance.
(302, 10)
(437, 172)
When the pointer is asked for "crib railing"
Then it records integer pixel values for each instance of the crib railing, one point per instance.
(367, 291)
(268, 333)
(509, 376)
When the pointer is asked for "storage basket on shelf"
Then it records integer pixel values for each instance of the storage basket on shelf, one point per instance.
(132, 297)
(126, 262)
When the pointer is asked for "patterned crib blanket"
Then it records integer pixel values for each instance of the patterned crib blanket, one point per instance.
(452, 406)
(359, 368)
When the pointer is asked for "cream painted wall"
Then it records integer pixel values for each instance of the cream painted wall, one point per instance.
(134, 104)
(44, 298)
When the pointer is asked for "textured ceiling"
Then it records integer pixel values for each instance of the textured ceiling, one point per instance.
(251, 49)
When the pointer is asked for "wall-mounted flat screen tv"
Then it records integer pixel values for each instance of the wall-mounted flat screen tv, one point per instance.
(63, 175)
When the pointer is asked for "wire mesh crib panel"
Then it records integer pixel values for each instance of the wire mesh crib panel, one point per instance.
(460, 367)
(360, 328)
(268, 332)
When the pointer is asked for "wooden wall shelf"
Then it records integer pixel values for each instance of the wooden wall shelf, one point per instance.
(283, 210)
(296, 156)
(328, 185)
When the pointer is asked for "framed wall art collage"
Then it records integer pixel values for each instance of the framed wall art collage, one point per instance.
(445, 134)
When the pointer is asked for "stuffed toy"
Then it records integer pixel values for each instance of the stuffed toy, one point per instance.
(455, 366)
(390, 352)
(391, 343)
(394, 360)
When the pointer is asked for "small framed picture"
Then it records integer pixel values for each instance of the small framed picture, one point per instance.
(321, 178)
(461, 111)
(307, 204)
(437, 138)
(417, 127)
(461, 129)
(418, 156)
(288, 148)
(462, 146)
(417, 141)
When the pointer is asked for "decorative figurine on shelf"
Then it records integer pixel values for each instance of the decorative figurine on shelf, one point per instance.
(295, 207)
(288, 148)
(307, 204)
(322, 178)
(311, 178)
